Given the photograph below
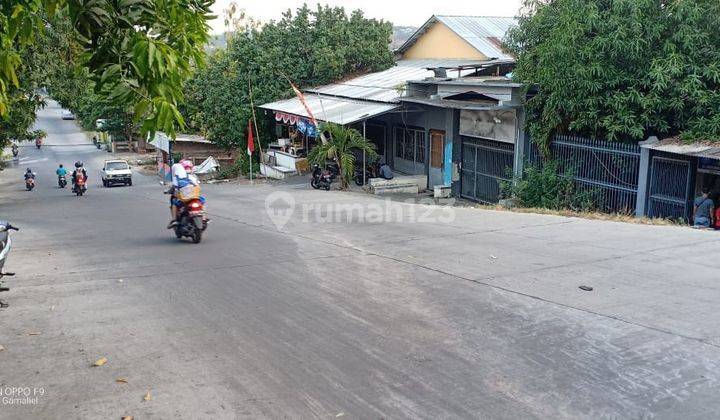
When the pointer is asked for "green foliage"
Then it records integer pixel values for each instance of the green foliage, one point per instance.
(543, 187)
(310, 47)
(341, 147)
(241, 166)
(138, 52)
(620, 69)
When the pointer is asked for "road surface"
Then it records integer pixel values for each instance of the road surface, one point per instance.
(332, 312)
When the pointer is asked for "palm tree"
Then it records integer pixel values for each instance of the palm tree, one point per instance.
(339, 148)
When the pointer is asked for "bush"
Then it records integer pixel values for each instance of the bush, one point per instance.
(544, 187)
(240, 166)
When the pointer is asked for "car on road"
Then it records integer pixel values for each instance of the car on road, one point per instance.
(116, 171)
(67, 115)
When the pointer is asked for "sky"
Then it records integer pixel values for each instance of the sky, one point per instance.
(399, 12)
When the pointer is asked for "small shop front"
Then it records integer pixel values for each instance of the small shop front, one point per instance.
(675, 174)
(296, 134)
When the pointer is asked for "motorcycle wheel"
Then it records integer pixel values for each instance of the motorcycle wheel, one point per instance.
(178, 233)
(314, 183)
(358, 180)
(197, 236)
(327, 187)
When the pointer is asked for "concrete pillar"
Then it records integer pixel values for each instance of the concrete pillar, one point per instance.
(520, 143)
(643, 188)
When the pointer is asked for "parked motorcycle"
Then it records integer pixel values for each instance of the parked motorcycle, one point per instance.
(322, 178)
(5, 245)
(372, 170)
(62, 181)
(30, 183)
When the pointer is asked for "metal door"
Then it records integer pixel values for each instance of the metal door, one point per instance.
(670, 188)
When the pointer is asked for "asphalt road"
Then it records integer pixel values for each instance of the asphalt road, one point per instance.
(343, 314)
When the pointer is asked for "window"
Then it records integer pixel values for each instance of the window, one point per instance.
(116, 166)
(410, 144)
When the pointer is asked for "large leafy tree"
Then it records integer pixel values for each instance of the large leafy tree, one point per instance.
(138, 52)
(309, 46)
(621, 69)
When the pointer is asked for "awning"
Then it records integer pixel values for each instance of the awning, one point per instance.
(329, 109)
(679, 148)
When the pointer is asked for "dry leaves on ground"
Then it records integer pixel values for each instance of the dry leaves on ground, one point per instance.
(127, 418)
(147, 396)
(101, 361)
(34, 333)
(2, 347)
(121, 380)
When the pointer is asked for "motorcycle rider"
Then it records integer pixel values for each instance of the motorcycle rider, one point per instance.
(79, 170)
(61, 172)
(180, 173)
(14, 149)
(29, 174)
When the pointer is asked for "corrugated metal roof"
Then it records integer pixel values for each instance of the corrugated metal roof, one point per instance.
(388, 85)
(336, 110)
(679, 148)
(484, 33)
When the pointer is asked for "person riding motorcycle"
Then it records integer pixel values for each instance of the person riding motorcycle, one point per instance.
(79, 170)
(14, 149)
(61, 171)
(181, 174)
(29, 174)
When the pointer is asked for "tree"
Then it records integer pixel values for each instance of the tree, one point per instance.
(310, 47)
(620, 69)
(138, 52)
(341, 147)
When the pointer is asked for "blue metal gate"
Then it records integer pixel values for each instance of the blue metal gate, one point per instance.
(670, 188)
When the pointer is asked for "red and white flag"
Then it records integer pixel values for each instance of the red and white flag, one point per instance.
(251, 140)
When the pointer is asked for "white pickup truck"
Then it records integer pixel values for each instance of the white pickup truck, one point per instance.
(116, 172)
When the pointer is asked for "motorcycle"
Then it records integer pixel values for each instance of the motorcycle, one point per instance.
(30, 183)
(79, 188)
(62, 181)
(5, 245)
(15, 150)
(191, 222)
(38, 142)
(371, 171)
(322, 178)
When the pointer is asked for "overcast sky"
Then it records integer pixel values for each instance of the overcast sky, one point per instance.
(399, 12)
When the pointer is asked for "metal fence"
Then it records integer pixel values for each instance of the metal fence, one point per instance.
(606, 171)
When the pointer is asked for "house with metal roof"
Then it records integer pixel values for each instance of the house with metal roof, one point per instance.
(413, 134)
(459, 37)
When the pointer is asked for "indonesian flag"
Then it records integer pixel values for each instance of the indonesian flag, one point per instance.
(251, 140)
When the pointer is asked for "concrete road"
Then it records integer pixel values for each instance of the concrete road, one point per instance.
(342, 305)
